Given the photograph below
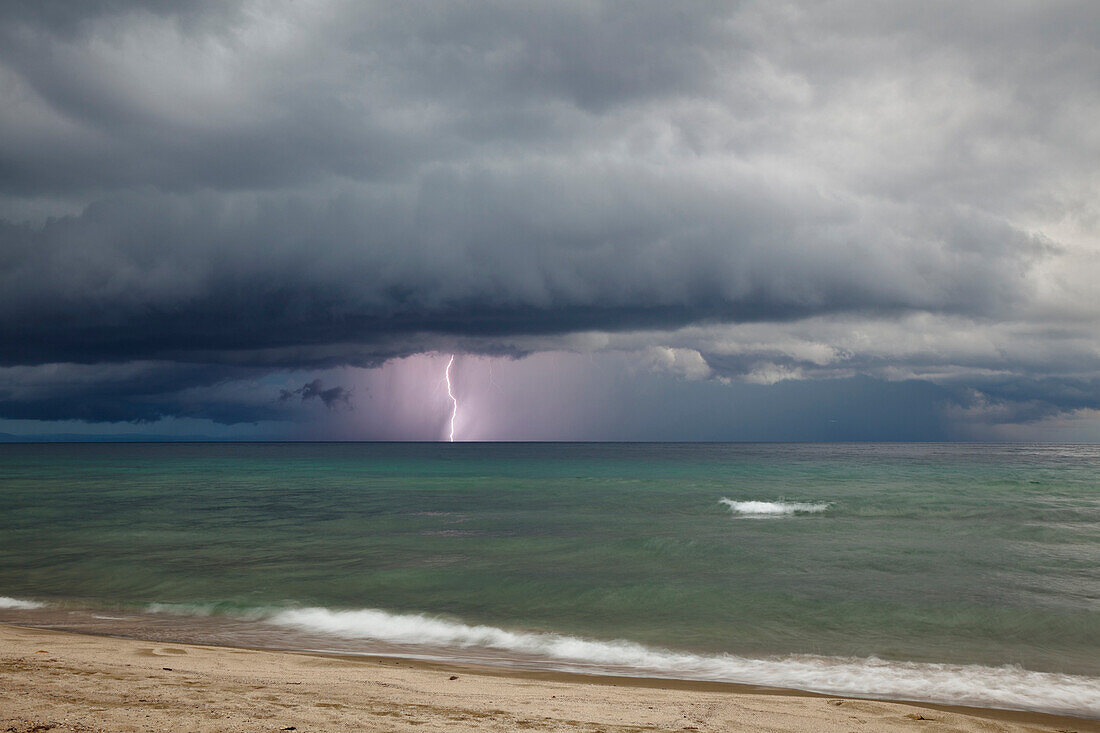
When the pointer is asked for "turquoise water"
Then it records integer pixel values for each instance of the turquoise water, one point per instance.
(979, 556)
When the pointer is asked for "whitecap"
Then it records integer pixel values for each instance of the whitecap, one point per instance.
(772, 508)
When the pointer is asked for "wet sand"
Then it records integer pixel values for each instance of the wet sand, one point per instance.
(51, 680)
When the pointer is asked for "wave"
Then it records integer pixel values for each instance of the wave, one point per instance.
(6, 602)
(772, 508)
(1009, 687)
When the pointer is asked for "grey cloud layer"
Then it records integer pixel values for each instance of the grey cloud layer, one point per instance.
(294, 185)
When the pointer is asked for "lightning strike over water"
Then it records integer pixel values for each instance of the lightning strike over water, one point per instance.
(451, 394)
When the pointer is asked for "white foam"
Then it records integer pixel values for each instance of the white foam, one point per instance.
(772, 508)
(6, 602)
(1009, 687)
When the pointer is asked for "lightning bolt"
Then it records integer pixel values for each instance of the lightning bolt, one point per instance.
(451, 394)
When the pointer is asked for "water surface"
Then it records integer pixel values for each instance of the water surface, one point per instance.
(978, 562)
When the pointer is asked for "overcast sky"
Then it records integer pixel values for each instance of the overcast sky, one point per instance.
(647, 220)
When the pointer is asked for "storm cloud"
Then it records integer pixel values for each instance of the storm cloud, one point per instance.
(208, 194)
(330, 397)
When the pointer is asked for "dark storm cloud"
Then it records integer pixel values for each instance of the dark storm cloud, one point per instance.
(997, 397)
(134, 392)
(154, 277)
(279, 185)
(331, 397)
(227, 96)
(1029, 400)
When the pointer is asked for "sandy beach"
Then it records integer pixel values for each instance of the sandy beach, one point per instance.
(61, 681)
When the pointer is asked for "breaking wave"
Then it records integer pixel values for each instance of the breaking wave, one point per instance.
(772, 508)
(1009, 687)
(6, 602)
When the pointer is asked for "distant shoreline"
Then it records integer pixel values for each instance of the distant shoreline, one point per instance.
(69, 680)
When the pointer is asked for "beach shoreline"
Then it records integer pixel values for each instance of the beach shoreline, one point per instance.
(61, 680)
